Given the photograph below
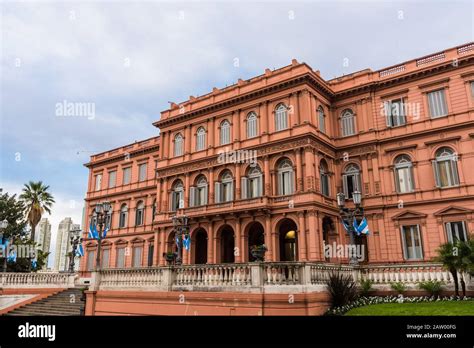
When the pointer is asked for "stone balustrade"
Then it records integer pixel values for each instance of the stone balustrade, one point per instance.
(405, 273)
(268, 277)
(9, 280)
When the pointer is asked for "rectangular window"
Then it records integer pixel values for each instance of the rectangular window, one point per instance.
(137, 256)
(98, 182)
(395, 112)
(112, 178)
(104, 263)
(456, 231)
(121, 258)
(348, 126)
(437, 103)
(126, 175)
(351, 183)
(142, 172)
(151, 251)
(90, 260)
(411, 241)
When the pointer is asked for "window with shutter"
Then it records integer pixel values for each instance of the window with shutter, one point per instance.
(217, 191)
(105, 258)
(411, 241)
(437, 103)
(192, 196)
(244, 186)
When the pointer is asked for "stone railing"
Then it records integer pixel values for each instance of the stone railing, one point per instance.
(36, 280)
(146, 278)
(405, 273)
(268, 277)
(224, 275)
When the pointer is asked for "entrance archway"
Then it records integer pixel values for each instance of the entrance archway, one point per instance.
(255, 237)
(227, 245)
(200, 246)
(288, 240)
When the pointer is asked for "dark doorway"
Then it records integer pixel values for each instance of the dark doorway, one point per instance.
(288, 240)
(200, 246)
(256, 237)
(227, 245)
(328, 228)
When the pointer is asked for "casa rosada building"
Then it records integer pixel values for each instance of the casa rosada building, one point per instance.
(261, 161)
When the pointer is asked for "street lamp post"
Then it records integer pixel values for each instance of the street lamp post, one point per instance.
(180, 225)
(75, 241)
(348, 215)
(3, 227)
(102, 210)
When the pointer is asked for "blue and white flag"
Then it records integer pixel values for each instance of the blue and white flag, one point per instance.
(186, 242)
(362, 228)
(106, 229)
(34, 263)
(12, 256)
(345, 225)
(80, 251)
(177, 240)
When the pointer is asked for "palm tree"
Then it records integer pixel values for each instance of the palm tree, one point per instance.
(465, 259)
(37, 200)
(447, 255)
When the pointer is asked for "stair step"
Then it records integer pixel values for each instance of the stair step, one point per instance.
(55, 305)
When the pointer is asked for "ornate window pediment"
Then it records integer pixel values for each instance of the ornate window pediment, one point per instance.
(409, 214)
(453, 210)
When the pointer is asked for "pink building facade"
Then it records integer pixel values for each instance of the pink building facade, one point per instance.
(261, 161)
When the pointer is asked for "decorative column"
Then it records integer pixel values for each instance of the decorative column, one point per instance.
(306, 111)
(302, 236)
(210, 139)
(314, 247)
(211, 186)
(309, 169)
(156, 251)
(238, 257)
(210, 243)
(294, 111)
(187, 188)
(158, 196)
(267, 177)
(236, 128)
(269, 256)
(263, 117)
(164, 196)
(162, 236)
(299, 171)
(166, 141)
(188, 139)
(237, 181)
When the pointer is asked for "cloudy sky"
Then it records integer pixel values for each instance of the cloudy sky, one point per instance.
(127, 59)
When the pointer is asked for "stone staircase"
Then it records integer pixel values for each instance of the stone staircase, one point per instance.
(65, 303)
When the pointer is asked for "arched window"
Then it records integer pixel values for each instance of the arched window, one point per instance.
(224, 189)
(351, 180)
(178, 145)
(123, 216)
(252, 125)
(321, 119)
(285, 178)
(177, 196)
(225, 132)
(445, 168)
(198, 193)
(281, 117)
(139, 213)
(324, 177)
(252, 184)
(403, 171)
(200, 139)
(347, 123)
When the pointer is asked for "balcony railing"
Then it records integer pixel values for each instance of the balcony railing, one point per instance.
(268, 277)
(36, 280)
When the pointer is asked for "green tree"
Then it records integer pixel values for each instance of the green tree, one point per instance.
(12, 210)
(37, 200)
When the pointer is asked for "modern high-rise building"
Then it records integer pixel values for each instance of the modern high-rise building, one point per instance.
(66, 229)
(43, 236)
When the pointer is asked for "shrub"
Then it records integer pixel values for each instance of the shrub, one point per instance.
(342, 289)
(398, 287)
(433, 287)
(365, 286)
